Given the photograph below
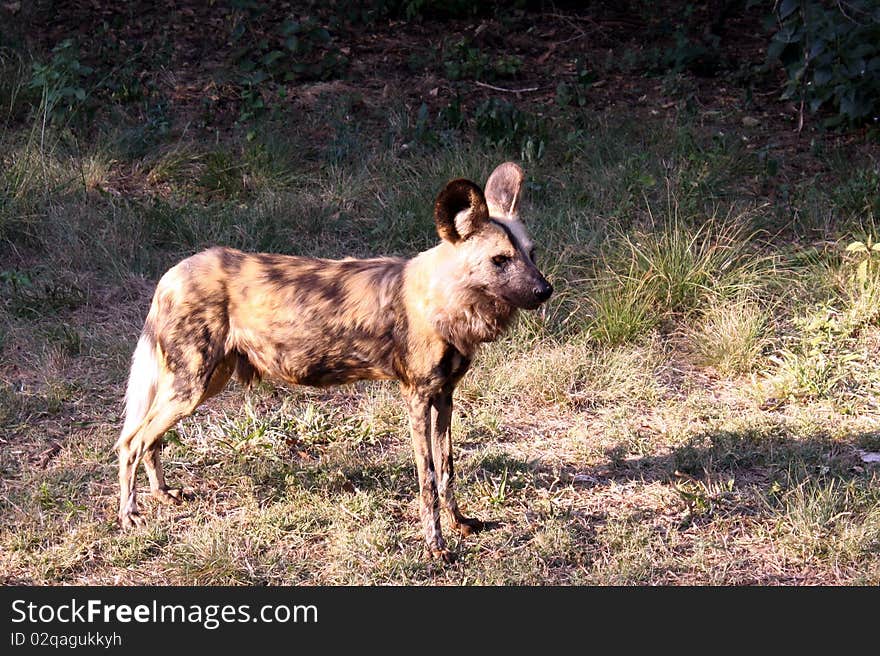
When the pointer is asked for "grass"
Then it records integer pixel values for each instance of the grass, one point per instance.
(732, 336)
(689, 408)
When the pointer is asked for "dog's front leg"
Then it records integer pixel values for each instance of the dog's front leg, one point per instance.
(429, 503)
(441, 446)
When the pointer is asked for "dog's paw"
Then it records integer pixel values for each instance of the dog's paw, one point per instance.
(169, 496)
(131, 520)
(444, 555)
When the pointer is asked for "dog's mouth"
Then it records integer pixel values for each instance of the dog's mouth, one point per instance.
(521, 303)
(532, 305)
(532, 299)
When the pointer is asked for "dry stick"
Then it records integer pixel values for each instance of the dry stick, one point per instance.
(494, 88)
(350, 513)
(801, 117)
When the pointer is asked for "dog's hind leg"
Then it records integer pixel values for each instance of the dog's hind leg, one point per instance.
(441, 445)
(153, 465)
(144, 446)
(151, 439)
(128, 461)
(152, 458)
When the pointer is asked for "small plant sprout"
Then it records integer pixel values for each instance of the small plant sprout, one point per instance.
(866, 252)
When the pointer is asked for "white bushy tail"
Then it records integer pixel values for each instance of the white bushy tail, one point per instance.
(141, 388)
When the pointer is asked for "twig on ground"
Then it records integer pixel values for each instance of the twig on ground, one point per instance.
(494, 88)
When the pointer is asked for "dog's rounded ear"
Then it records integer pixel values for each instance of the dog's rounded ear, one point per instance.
(504, 190)
(460, 210)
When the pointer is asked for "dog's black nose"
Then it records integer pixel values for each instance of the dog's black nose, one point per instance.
(543, 290)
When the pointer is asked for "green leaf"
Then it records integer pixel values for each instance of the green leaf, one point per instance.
(271, 57)
(862, 50)
(856, 67)
(856, 247)
(787, 8)
(789, 34)
(833, 121)
(289, 27)
(847, 106)
(774, 50)
(822, 76)
(854, 106)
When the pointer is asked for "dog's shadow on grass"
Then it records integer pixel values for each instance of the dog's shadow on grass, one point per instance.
(396, 479)
(746, 458)
(706, 467)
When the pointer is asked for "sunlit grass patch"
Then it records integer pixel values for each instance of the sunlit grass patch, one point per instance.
(622, 308)
(574, 373)
(731, 336)
(832, 521)
(826, 357)
(689, 264)
(669, 272)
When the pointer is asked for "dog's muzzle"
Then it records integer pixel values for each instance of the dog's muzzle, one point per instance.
(543, 291)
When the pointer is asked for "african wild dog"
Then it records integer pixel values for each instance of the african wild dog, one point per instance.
(224, 313)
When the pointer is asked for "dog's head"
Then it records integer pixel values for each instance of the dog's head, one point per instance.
(492, 246)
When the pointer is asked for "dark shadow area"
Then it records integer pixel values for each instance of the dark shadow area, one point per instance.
(729, 470)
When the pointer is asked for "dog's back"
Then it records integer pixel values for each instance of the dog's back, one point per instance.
(296, 319)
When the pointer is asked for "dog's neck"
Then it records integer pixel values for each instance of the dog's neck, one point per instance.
(460, 311)
(477, 320)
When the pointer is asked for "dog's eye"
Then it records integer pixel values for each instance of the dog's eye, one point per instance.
(500, 260)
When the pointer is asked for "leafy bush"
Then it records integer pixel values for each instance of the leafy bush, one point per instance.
(462, 60)
(501, 124)
(295, 50)
(61, 82)
(578, 92)
(269, 56)
(831, 55)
